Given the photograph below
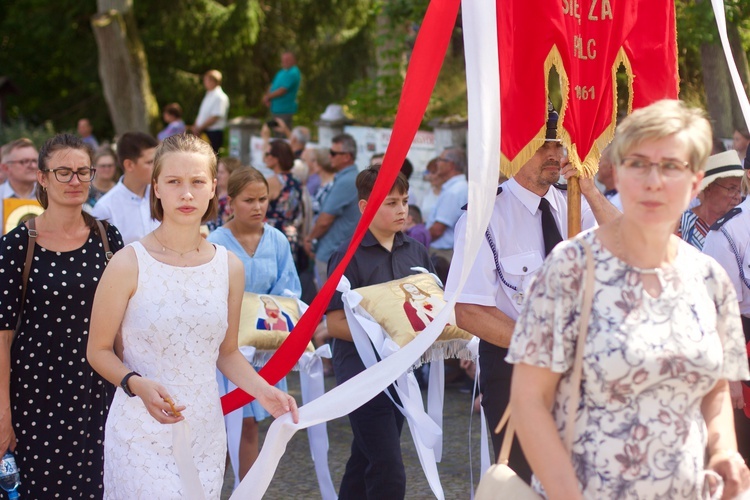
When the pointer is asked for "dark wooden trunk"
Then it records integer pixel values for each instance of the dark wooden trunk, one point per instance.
(123, 68)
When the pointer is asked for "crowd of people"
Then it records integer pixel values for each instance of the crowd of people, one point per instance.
(121, 299)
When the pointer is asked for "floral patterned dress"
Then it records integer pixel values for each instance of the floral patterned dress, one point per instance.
(648, 363)
(285, 212)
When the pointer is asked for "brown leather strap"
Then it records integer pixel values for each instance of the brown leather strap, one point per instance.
(507, 439)
(105, 241)
(575, 378)
(31, 225)
(583, 322)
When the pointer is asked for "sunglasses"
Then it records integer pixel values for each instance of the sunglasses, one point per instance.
(334, 153)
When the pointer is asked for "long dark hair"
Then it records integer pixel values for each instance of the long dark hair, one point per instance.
(282, 151)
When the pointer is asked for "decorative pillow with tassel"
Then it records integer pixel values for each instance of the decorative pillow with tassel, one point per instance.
(265, 322)
(404, 307)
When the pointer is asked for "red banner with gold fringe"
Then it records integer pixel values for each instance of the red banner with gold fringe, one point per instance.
(586, 41)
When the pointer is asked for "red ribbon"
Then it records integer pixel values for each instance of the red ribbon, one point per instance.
(424, 66)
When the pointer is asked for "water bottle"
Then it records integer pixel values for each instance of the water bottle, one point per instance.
(10, 478)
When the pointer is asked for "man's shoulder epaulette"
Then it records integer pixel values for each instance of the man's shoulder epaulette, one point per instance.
(499, 190)
(727, 216)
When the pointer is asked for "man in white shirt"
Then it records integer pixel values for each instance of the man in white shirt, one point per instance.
(18, 162)
(454, 194)
(127, 205)
(728, 242)
(515, 247)
(212, 115)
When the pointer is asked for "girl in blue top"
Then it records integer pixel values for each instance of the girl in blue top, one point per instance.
(269, 269)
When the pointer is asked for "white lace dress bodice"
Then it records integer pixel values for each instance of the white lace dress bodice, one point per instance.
(171, 333)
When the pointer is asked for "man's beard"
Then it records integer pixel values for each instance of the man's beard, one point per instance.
(545, 177)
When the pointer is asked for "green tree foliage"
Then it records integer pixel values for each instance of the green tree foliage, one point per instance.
(696, 26)
(48, 50)
(373, 99)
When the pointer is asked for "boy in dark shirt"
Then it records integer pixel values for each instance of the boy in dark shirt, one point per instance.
(375, 469)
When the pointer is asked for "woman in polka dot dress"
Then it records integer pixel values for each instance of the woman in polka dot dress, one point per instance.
(58, 404)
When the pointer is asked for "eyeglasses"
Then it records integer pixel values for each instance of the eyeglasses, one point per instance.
(640, 167)
(65, 175)
(335, 153)
(733, 191)
(24, 163)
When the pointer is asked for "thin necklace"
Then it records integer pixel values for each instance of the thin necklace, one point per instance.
(626, 254)
(181, 254)
(250, 252)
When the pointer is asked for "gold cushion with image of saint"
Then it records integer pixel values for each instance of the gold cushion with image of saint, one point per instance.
(267, 320)
(404, 307)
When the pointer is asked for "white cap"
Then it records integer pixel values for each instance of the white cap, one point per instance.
(333, 113)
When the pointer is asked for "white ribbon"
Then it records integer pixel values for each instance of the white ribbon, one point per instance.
(372, 343)
(485, 461)
(721, 22)
(182, 450)
(436, 399)
(483, 90)
(312, 386)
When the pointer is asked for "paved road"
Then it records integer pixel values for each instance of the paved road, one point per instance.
(295, 477)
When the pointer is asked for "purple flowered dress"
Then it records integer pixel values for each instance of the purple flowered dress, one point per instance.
(648, 363)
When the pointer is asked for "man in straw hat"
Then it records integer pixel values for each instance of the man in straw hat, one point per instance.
(719, 193)
(728, 242)
(529, 217)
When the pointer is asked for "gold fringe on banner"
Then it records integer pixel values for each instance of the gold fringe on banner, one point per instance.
(511, 167)
(590, 165)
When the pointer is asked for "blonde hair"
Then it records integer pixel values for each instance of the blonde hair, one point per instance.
(230, 164)
(663, 119)
(215, 75)
(183, 143)
(241, 178)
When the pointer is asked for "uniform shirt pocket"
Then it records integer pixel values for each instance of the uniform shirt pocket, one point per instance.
(518, 270)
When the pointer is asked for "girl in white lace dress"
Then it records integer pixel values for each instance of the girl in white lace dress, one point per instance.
(165, 316)
(663, 339)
